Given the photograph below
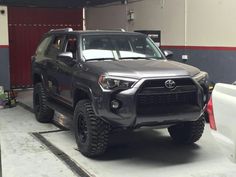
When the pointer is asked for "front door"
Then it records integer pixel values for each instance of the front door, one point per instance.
(66, 67)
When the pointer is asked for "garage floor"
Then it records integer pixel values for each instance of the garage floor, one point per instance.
(31, 149)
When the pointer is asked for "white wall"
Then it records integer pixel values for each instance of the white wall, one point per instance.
(211, 22)
(112, 17)
(164, 15)
(3, 27)
(182, 22)
(167, 16)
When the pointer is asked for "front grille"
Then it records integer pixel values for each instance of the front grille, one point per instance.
(154, 98)
(161, 82)
(167, 99)
(158, 86)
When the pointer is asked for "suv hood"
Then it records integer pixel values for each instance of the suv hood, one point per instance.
(143, 68)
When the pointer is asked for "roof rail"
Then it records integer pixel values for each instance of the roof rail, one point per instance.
(119, 29)
(61, 30)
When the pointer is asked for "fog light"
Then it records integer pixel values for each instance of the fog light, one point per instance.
(115, 104)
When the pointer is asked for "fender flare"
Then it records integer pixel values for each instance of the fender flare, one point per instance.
(84, 88)
(40, 74)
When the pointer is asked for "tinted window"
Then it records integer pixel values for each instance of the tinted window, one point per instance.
(115, 47)
(55, 47)
(71, 45)
(43, 46)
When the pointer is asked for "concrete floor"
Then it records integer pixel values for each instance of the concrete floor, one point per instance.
(130, 154)
(25, 97)
(22, 155)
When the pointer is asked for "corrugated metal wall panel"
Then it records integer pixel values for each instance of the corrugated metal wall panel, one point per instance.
(44, 15)
(55, 3)
(26, 27)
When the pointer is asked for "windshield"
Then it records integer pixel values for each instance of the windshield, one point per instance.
(119, 47)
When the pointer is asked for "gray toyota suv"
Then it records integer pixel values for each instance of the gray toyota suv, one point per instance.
(107, 80)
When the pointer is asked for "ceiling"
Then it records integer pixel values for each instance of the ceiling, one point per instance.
(56, 3)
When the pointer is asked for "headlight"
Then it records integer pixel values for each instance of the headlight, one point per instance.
(109, 82)
(201, 77)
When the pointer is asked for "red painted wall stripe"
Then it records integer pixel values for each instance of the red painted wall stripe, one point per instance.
(200, 47)
(4, 46)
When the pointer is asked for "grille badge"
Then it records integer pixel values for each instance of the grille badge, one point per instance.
(170, 84)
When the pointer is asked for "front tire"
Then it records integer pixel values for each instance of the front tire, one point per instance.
(91, 132)
(188, 132)
(43, 113)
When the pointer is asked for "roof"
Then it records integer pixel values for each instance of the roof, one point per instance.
(94, 32)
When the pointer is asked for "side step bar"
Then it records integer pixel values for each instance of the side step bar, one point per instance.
(61, 109)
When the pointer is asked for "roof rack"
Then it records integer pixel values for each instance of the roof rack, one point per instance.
(61, 30)
(119, 29)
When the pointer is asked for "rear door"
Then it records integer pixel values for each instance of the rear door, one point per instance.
(52, 66)
(40, 60)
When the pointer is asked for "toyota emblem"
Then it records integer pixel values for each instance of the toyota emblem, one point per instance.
(170, 84)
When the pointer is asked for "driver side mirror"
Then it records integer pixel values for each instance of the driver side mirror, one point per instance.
(65, 55)
(67, 58)
(168, 54)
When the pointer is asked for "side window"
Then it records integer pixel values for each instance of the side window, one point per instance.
(43, 46)
(55, 47)
(71, 45)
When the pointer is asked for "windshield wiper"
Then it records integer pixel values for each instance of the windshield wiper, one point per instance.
(92, 59)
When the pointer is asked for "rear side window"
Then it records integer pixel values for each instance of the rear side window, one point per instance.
(55, 47)
(43, 46)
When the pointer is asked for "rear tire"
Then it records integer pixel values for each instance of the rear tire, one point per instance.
(91, 132)
(188, 132)
(43, 113)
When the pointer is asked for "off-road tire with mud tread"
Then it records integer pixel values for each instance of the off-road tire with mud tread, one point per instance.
(43, 113)
(97, 134)
(187, 133)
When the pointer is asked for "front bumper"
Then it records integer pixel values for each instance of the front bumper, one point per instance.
(130, 116)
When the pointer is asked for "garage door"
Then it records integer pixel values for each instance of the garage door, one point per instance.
(26, 27)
